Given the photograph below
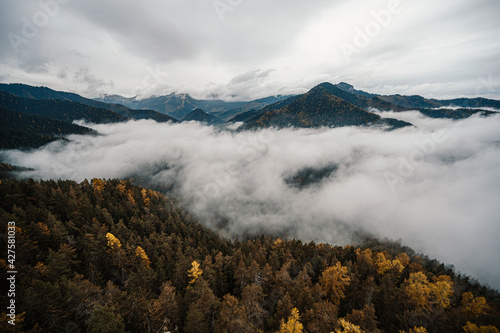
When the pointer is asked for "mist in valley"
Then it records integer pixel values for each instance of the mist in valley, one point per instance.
(434, 186)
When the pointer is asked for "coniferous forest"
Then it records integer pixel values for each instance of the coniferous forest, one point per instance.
(108, 256)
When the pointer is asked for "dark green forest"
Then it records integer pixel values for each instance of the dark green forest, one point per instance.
(22, 130)
(62, 110)
(108, 256)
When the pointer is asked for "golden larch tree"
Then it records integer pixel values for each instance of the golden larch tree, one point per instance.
(139, 252)
(293, 324)
(333, 282)
(473, 328)
(113, 242)
(348, 327)
(195, 272)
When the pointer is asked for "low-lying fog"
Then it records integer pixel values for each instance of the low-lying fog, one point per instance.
(435, 186)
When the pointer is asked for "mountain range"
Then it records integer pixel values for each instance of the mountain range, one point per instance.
(179, 105)
(327, 104)
(44, 93)
(323, 106)
(175, 105)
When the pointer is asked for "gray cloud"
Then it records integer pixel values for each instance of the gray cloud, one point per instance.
(434, 186)
(94, 85)
(435, 49)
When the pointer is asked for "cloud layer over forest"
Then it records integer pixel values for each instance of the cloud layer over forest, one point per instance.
(434, 186)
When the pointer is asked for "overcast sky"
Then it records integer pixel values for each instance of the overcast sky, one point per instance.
(245, 49)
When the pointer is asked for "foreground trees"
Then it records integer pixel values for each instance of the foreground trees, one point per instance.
(108, 256)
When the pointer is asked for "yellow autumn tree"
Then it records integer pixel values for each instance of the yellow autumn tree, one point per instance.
(473, 306)
(365, 254)
(473, 328)
(293, 324)
(426, 294)
(333, 282)
(98, 184)
(441, 292)
(348, 327)
(384, 264)
(195, 272)
(139, 252)
(403, 258)
(113, 242)
(130, 197)
(417, 289)
(145, 198)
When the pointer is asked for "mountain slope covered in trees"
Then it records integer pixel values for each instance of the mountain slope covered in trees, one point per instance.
(108, 256)
(321, 106)
(20, 130)
(62, 110)
(44, 93)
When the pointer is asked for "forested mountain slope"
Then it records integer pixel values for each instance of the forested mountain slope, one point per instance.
(108, 256)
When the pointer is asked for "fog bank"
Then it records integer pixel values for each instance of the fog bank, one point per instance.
(435, 186)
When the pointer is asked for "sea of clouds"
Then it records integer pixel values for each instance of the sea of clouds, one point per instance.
(434, 186)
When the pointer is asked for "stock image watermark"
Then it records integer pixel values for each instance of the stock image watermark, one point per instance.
(409, 164)
(151, 80)
(486, 84)
(223, 6)
(11, 272)
(31, 26)
(363, 37)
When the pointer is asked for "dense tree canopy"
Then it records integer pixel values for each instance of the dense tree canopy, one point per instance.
(108, 256)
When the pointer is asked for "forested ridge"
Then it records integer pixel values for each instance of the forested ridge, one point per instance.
(108, 256)
(21, 130)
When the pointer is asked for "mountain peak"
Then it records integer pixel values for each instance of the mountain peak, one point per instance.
(324, 85)
(344, 86)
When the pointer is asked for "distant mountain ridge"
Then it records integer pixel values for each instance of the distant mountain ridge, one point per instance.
(320, 110)
(174, 104)
(179, 105)
(63, 110)
(349, 107)
(44, 93)
(321, 106)
(416, 101)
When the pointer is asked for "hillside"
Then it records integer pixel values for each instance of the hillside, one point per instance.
(108, 256)
(319, 107)
(62, 110)
(253, 106)
(453, 113)
(403, 103)
(416, 101)
(21, 130)
(44, 93)
(362, 101)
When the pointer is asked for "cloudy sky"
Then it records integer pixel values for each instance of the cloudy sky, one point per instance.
(247, 49)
